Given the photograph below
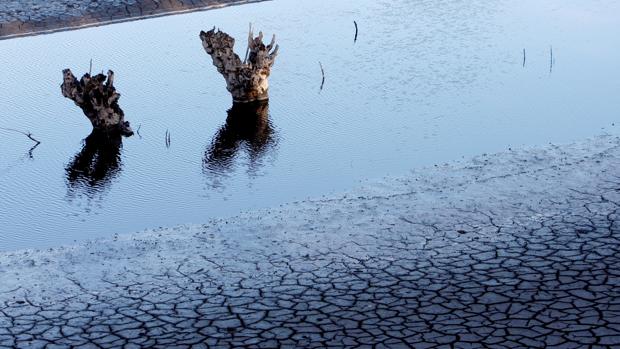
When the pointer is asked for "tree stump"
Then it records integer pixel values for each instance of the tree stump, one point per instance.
(98, 100)
(247, 81)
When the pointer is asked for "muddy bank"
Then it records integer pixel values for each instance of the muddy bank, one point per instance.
(517, 249)
(30, 17)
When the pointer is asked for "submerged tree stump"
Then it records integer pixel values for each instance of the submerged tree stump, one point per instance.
(247, 129)
(98, 100)
(247, 81)
(97, 163)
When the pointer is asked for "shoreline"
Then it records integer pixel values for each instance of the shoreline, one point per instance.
(431, 183)
(51, 22)
(519, 247)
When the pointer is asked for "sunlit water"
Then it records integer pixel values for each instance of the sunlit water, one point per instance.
(426, 82)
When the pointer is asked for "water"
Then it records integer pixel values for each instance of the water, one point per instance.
(426, 82)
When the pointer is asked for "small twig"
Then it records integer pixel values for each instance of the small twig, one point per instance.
(550, 58)
(138, 131)
(355, 39)
(27, 134)
(323, 74)
(90, 69)
(32, 149)
(524, 58)
(167, 139)
(250, 38)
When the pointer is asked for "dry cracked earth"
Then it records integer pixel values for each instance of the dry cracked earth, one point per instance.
(23, 17)
(515, 250)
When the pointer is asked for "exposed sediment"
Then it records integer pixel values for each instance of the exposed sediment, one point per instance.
(27, 17)
(513, 250)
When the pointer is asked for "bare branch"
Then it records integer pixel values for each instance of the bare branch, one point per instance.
(27, 134)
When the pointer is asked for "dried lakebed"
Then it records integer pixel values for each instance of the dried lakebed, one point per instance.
(28, 17)
(514, 250)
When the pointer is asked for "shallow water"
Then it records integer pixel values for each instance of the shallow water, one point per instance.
(426, 82)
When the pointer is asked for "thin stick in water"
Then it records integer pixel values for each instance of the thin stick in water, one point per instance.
(355, 39)
(323, 74)
(550, 58)
(90, 69)
(27, 134)
(524, 58)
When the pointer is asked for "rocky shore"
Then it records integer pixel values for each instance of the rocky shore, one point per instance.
(513, 250)
(29, 17)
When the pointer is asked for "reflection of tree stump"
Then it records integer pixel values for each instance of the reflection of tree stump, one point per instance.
(97, 163)
(98, 100)
(247, 80)
(247, 126)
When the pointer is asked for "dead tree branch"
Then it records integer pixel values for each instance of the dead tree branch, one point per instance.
(27, 134)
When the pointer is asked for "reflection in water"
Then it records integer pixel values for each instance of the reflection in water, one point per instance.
(92, 169)
(247, 128)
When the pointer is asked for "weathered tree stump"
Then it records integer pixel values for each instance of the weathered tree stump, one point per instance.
(98, 100)
(247, 81)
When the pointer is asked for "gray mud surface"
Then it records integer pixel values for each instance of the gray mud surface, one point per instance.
(513, 250)
(26, 17)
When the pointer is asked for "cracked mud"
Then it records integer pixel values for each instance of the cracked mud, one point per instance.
(24, 17)
(514, 250)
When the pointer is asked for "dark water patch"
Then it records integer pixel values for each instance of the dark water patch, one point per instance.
(93, 169)
(248, 130)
